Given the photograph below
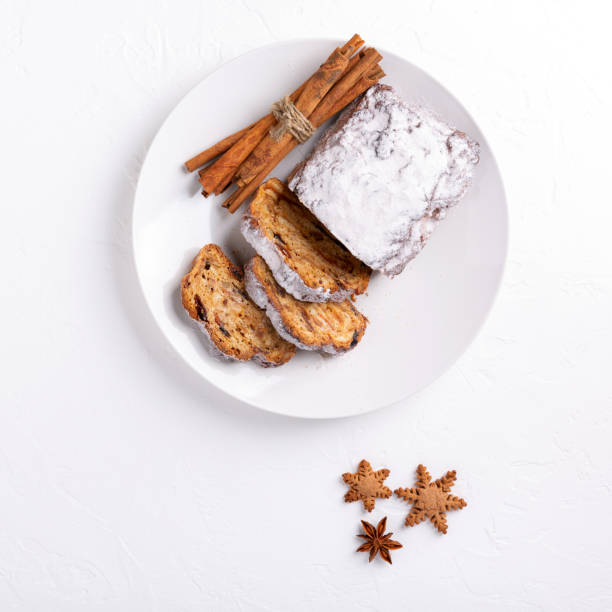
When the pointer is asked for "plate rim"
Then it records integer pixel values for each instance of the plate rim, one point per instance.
(249, 401)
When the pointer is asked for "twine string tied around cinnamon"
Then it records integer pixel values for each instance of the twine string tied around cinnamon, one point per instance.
(290, 120)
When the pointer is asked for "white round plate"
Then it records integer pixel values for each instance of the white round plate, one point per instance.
(420, 321)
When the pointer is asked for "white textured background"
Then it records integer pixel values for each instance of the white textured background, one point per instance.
(126, 483)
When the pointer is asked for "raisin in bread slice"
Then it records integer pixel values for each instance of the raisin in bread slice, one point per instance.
(331, 327)
(214, 295)
(305, 259)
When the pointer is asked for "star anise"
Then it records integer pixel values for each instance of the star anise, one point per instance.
(377, 540)
(431, 499)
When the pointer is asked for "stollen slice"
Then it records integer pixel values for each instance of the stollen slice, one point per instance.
(304, 258)
(330, 327)
(214, 295)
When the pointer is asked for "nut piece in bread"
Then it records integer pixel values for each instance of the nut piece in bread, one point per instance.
(214, 295)
(305, 259)
(331, 327)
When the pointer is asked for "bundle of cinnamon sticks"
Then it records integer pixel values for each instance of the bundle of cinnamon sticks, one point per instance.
(248, 156)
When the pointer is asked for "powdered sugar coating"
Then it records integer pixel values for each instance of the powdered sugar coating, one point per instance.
(258, 294)
(284, 275)
(381, 178)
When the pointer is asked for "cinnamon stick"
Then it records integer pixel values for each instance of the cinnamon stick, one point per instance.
(364, 83)
(320, 116)
(260, 156)
(354, 43)
(219, 174)
(221, 147)
(215, 177)
(236, 200)
(366, 62)
(233, 150)
(317, 87)
(317, 119)
(353, 61)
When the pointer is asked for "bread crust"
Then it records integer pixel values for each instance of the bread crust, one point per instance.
(214, 295)
(305, 259)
